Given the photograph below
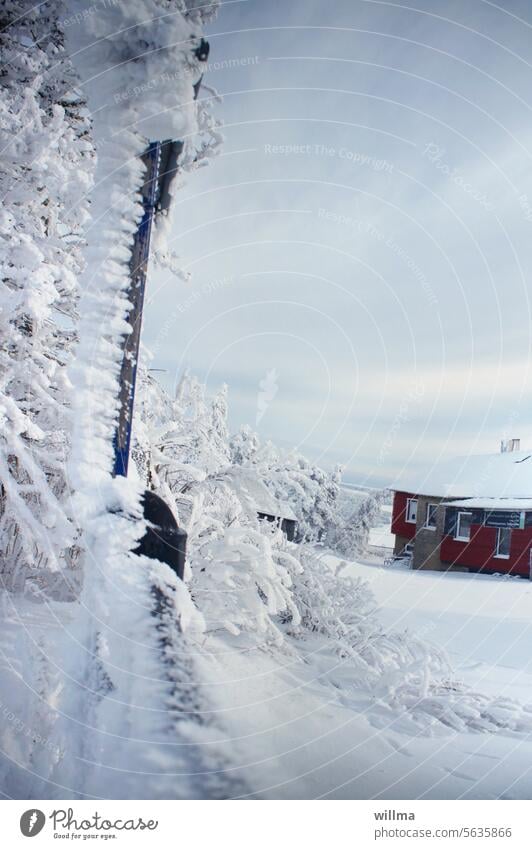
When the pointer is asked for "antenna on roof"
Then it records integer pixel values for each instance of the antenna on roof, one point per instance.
(510, 445)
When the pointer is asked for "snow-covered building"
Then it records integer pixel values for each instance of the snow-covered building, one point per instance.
(258, 499)
(469, 513)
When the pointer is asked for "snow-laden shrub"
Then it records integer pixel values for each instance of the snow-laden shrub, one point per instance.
(236, 581)
(241, 586)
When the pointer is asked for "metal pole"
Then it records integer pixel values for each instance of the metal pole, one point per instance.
(138, 268)
(160, 160)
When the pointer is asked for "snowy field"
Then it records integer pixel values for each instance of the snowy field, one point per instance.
(297, 734)
(482, 621)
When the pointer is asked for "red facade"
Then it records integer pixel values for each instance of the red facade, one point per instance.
(479, 552)
(399, 524)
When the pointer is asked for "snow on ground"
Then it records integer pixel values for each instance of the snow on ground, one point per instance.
(381, 537)
(292, 725)
(482, 621)
(297, 731)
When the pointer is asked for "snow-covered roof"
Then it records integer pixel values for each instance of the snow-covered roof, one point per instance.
(480, 476)
(255, 493)
(493, 503)
(286, 511)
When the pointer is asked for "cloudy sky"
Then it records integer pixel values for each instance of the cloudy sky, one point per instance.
(361, 251)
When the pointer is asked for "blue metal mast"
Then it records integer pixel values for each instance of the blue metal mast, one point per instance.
(160, 160)
(139, 269)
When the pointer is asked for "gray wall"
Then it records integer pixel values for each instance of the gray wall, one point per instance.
(427, 543)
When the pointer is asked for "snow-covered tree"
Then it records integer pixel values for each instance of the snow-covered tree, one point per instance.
(311, 491)
(243, 446)
(350, 537)
(186, 437)
(45, 173)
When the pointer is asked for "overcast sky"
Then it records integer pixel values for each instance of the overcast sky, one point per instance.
(361, 250)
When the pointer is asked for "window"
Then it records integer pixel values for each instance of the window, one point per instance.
(411, 510)
(502, 546)
(431, 517)
(463, 526)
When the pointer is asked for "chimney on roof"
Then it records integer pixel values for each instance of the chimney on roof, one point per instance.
(510, 445)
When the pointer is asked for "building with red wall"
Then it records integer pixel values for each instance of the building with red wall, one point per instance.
(469, 513)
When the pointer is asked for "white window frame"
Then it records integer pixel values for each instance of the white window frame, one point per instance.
(498, 554)
(457, 535)
(427, 514)
(410, 501)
